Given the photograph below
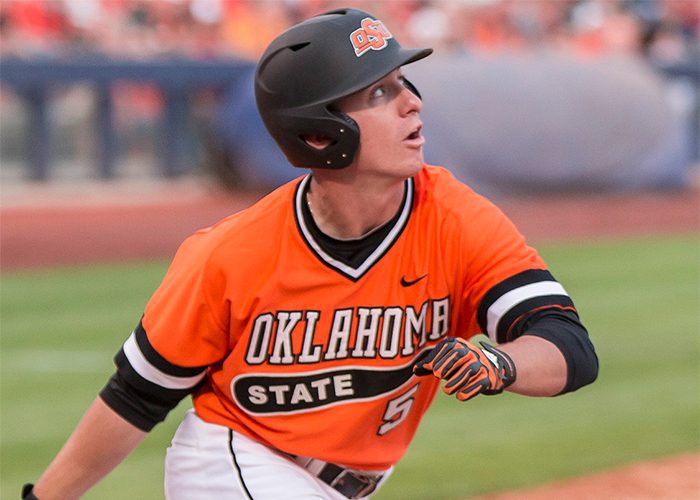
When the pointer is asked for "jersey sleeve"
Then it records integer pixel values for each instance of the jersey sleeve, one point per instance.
(509, 303)
(181, 333)
(505, 278)
(145, 386)
(186, 320)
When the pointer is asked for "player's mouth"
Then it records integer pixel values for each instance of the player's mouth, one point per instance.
(415, 139)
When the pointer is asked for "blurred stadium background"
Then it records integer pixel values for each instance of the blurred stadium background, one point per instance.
(118, 116)
(520, 95)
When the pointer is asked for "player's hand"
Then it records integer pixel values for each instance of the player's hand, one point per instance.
(467, 369)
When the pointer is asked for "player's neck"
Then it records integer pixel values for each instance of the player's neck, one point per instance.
(345, 210)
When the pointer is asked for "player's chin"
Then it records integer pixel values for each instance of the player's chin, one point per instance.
(406, 170)
(414, 162)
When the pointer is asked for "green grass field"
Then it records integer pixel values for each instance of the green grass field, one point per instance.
(639, 299)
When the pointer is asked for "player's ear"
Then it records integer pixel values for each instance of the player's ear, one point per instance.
(317, 141)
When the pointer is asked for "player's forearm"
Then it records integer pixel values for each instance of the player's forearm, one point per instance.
(540, 366)
(99, 443)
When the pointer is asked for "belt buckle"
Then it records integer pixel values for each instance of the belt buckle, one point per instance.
(354, 484)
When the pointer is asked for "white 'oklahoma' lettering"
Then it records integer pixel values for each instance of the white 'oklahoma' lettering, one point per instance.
(364, 332)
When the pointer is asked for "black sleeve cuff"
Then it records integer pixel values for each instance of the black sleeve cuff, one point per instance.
(28, 492)
(143, 410)
(565, 331)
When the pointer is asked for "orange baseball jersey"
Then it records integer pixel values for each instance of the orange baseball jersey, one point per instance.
(310, 353)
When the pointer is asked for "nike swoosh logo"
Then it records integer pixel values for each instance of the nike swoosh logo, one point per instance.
(404, 282)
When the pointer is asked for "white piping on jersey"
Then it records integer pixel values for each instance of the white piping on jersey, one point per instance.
(510, 299)
(141, 365)
(374, 256)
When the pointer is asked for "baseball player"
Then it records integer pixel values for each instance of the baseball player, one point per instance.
(314, 329)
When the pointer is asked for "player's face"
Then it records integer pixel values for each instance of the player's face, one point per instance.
(387, 113)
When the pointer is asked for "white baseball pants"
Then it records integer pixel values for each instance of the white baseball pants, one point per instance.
(208, 461)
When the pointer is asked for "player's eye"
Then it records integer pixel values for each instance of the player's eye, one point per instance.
(377, 92)
(388, 88)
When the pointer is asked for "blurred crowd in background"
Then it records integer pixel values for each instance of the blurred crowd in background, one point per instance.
(662, 34)
(665, 31)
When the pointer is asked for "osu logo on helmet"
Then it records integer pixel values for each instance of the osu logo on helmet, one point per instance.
(372, 35)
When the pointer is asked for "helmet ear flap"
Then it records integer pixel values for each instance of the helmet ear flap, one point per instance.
(343, 151)
(352, 124)
(344, 134)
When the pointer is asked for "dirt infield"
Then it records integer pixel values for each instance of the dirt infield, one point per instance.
(45, 227)
(675, 478)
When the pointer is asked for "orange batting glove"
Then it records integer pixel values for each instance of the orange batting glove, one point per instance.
(467, 369)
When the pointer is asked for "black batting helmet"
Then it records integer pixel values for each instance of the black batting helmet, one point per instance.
(313, 64)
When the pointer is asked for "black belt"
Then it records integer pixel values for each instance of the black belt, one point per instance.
(348, 482)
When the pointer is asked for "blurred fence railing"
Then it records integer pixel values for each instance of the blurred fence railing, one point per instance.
(177, 79)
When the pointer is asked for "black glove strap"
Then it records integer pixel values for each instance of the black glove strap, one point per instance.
(28, 492)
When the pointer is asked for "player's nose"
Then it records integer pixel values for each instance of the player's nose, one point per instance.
(409, 102)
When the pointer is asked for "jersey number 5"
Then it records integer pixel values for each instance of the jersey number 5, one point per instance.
(397, 410)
